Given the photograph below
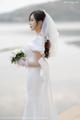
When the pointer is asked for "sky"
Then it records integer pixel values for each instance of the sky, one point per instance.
(9, 5)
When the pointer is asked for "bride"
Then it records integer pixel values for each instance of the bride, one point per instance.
(40, 104)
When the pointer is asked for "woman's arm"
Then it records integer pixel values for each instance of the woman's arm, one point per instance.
(35, 63)
(28, 63)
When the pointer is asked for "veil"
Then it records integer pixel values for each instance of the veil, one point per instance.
(49, 32)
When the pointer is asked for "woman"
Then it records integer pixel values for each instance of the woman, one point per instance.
(40, 104)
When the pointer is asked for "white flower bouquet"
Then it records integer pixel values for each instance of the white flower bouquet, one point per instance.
(17, 55)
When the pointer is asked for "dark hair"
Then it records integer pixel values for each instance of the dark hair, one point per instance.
(47, 48)
(40, 15)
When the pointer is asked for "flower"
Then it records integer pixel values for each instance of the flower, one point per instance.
(17, 55)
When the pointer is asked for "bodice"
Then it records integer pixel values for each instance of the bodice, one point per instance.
(36, 45)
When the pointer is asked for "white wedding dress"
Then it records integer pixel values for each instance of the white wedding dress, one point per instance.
(39, 103)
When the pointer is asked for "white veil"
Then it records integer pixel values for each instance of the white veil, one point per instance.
(49, 31)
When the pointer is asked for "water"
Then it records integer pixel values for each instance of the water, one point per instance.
(12, 35)
(65, 72)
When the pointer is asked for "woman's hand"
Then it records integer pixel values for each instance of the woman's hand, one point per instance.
(22, 62)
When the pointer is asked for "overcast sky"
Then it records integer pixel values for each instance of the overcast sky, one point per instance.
(9, 5)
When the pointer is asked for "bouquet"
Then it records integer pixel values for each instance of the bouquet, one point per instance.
(17, 55)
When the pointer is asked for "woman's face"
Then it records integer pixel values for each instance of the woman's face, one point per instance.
(32, 22)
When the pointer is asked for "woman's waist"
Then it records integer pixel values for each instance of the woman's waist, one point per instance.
(35, 68)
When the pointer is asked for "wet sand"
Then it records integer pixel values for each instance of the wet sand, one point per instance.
(71, 114)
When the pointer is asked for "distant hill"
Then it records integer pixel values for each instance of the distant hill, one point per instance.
(61, 11)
